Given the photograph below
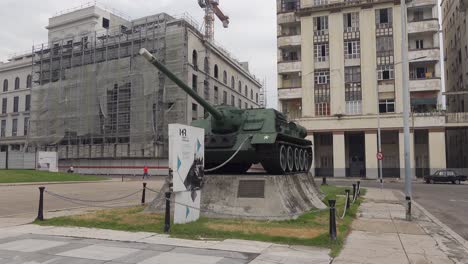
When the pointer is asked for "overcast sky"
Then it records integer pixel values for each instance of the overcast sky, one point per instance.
(251, 36)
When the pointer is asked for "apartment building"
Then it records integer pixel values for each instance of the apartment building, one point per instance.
(339, 68)
(455, 35)
(15, 99)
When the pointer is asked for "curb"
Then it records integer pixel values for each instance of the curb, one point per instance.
(447, 229)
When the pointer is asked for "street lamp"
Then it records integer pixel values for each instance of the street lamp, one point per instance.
(379, 134)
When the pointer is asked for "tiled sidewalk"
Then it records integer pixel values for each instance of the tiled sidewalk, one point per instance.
(381, 235)
(51, 245)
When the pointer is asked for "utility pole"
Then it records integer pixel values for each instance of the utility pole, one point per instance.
(379, 132)
(406, 95)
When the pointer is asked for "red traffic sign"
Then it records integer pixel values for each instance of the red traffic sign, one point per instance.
(380, 156)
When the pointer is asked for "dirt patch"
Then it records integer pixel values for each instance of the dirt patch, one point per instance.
(270, 231)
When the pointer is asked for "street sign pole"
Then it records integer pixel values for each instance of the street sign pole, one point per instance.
(406, 104)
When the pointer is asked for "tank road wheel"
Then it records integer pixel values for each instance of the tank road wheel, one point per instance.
(283, 158)
(297, 166)
(306, 160)
(290, 159)
(301, 160)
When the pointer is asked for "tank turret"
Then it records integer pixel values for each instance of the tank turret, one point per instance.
(237, 138)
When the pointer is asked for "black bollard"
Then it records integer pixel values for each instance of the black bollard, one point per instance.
(324, 181)
(347, 198)
(332, 230)
(143, 194)
(40, 211)
(167, 218)
(358, 188)
(354, 191)
(408, 208)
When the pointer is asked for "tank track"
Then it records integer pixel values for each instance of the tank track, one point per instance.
(286, 158)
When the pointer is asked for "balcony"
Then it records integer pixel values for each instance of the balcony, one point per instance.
(456, 117)
(430, 54)
(289, 93)
(285, 18)
(418, 3)
(334, 5)
(288, 41)
(430, 25)
(289, 66)
(421, 85)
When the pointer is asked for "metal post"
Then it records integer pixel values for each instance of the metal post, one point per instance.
(324, 181)
(143, 194)
(354, 191)
(40, 211)
(347, 198)
(408, 208)
(332, 230)
(379, 133)
(359, 188)
(167, 218)
(406, 103)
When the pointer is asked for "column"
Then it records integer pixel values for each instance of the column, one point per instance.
(437, 158)
(339, 156)
(371, 152)
(401, 138)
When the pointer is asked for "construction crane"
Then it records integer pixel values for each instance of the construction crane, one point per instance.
(211, 8)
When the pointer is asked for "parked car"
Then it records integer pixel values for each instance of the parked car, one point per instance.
(445, 176)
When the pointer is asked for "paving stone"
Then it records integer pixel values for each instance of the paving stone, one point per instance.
(212, 252)
(176, 258)
(233, 261)
(138, 256)
(99, 252)
(60, 249)
(281, 254)
(164, 240)
(30, 245)
(241, 246)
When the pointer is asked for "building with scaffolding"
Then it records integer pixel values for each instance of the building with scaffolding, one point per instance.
(106, 110)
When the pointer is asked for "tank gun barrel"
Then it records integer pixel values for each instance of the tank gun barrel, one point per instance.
(214, 112)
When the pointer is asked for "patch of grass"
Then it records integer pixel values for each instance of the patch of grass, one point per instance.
(309, 229)
(18, 176)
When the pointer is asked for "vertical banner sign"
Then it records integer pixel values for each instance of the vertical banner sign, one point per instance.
(47, 161)
(187, 161)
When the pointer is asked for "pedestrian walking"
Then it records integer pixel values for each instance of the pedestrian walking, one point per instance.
(145, 172)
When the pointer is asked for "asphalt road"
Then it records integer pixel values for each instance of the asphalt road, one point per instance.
(447, 202)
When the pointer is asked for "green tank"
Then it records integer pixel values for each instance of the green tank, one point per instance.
(237, 138)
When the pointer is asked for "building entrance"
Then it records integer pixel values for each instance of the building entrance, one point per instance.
(355, 154)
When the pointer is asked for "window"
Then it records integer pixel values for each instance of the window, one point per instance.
(418, 14)
(290, 55)
(118, 112)
(246, 105)
(387, 106)
(256, 98)
(321, 24)
(3, 128)
(225, 77)
(14, 127)
(216, 71)
(246, 91)
(195, 60)
(216, 95)
(233, 99)
(194, 111)
(15, 104)
(26, 126)
(385, 72)
(224, 98)
(240, 87)
(351, 22)
(384, 45)
(29, 81)
(383, 16)
(195, 83)
(4, 105)
(233, 83)
(289, 5)
(5, 85)
(27, 102)
(322, 100)
(353, 74)
(239, 103)
(206, 90)
(206, 65)
(105, 23)
(419, 44)
(322, 76)
(321, 52)
(17, 83)
(251, 94)
(352, 49)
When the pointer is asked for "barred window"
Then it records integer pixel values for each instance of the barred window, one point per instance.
(321, 52)
(385, 72)
(383, 16)
(351, 22)
(352, 49)
(322, 94)
(321, 23)
(322, 77)
(353, 92)
(384, 44)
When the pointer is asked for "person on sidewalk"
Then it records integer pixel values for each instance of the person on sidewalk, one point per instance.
(145, 172)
